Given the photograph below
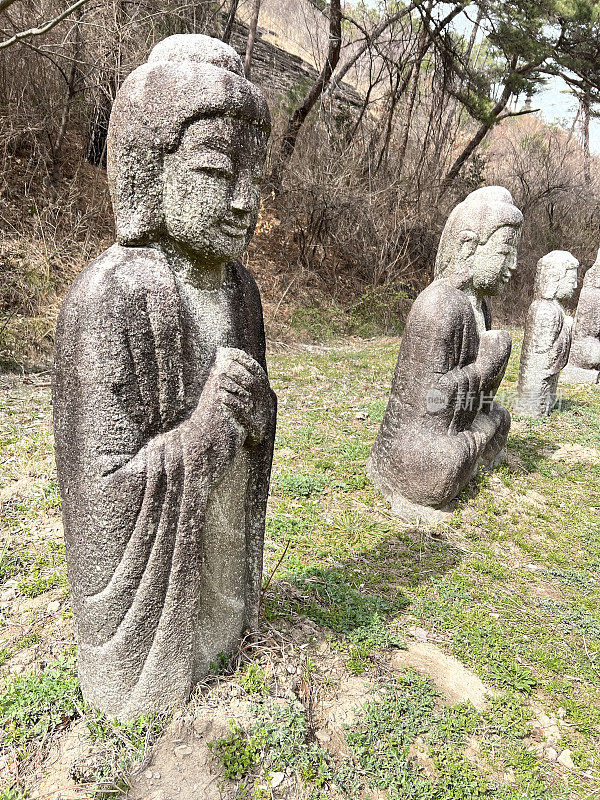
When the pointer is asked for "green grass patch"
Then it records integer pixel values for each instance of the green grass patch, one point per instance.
(34, 703)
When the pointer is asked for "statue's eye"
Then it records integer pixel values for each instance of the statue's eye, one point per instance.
(213, 163)
(217, 172)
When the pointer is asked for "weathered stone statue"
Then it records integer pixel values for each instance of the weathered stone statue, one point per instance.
(164, 417)
(441, 421)
(547, 338)
(584, 361)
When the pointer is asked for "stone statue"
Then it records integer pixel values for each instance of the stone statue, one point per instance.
(164, 417)
(584, 362)
(547, 338)
(441, 421)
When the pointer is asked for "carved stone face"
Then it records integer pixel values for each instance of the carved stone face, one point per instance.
(211, 189)
(567, 284)
(493, 263)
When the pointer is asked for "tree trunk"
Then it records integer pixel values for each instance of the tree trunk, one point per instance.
(251, 37)
(414, 85)
(72, 80)
(394, 95)
(584, 102)
(297, 119)
(230, 21)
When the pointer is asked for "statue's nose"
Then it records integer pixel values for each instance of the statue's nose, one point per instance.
(244, 194)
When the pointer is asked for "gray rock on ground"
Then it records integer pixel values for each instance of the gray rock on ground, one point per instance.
(442, 422)
(584, 361)
(547, 338)
(163, 414)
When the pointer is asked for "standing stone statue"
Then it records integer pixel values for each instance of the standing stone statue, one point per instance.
(164, 417)
(441, 421)
(584, 362)
(547, 338)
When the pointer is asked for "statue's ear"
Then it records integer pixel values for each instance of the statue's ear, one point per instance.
(467, 244)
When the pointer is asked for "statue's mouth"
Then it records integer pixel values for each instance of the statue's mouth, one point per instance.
(231, 229)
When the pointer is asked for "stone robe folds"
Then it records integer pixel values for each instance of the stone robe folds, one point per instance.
(440, 423)
(545, 353)
(154, 502)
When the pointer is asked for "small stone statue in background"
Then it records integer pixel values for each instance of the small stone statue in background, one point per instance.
(547, 338)
(164, 417)
(584, 361)
(442, 422)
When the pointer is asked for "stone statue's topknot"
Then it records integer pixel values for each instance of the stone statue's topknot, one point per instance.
(187, 77)
(199, 49)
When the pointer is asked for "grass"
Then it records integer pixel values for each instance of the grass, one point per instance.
(36, 702)
(511, 587)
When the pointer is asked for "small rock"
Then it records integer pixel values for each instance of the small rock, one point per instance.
(7, 595)
(551, 754)
(286, 452)
(420, 634)
(157, 776)
(276, 779)
(12, 583)
(532, 567)
(361, 415)
(53, 607)
(291, 669)
(149, 774)
(566, 760)
(509, 775)
(323, 736)
(552, 733)
(562, 713)
(183, 750)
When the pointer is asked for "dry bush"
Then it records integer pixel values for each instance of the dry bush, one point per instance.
(55, 97)
(360, 206)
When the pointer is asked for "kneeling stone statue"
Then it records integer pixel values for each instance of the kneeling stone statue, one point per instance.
(441, 422)
(164, 417)
(547, 338)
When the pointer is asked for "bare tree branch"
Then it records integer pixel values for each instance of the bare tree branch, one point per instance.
(41, 30)
(370, 38)
(520, 113)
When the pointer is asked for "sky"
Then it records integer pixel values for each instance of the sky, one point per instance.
(558, 105)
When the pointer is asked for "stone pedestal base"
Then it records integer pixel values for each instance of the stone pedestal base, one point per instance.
(420, 515)
(413, 513)
(579, 375)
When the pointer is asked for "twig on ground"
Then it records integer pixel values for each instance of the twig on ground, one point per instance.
(268, 583)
